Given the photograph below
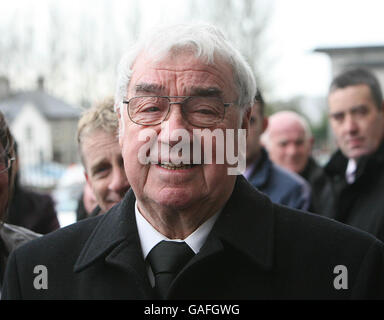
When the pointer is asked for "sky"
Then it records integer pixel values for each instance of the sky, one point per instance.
(294, 30)
(297, 27)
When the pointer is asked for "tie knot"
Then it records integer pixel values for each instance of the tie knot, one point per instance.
(169, 256)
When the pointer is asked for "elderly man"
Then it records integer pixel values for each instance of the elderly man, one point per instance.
(280, 185)
(357, 168)
(289, 141)
(97, 136)
(189, 228)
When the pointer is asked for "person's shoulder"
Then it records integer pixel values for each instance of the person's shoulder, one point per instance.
(318, 230)
(13, 236)
(68, 238)
(287, 178)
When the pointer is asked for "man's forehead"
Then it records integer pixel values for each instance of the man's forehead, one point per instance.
(98, 139)
(148, 74)
(285, 126)
(349, 96)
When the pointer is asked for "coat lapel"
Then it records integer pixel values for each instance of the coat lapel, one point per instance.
(247, 223)
(116, 240)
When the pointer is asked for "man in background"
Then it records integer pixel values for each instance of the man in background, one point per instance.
(289, 142)
(280, 185)
(357, 168)
(97, 137)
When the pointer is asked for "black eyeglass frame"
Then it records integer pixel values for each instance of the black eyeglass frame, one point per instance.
(185, 98)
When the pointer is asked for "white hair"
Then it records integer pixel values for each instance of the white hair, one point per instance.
(205, 41)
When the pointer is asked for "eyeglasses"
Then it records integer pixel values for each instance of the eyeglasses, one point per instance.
(5, 163)
(198, 111)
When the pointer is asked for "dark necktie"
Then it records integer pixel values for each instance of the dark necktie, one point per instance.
(167, 258)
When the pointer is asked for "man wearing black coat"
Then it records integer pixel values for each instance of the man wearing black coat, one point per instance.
(256, 250)
(192, 228)
(357, 168)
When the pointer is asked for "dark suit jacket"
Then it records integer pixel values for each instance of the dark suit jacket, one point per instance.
(282, 186)
(32, 210)
(322, 194)
(256, 250)
(359, 204)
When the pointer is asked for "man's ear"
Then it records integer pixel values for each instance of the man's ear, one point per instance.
(86, 177)
(382, 107)
(311, 142)
(265, 124)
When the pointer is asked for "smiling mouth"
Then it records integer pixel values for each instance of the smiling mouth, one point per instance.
(172, 166)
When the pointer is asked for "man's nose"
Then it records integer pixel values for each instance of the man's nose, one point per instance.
(173, 126)
(290, 148)
(350, 124)
(119, 182)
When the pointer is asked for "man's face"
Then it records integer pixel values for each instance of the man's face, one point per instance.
(104, 168)
(3, 185)
(288, 146)
(257, 125)
(356, 121)
(168, 186)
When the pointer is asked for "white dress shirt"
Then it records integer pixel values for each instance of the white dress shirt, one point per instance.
(150, 237)
(350, 173)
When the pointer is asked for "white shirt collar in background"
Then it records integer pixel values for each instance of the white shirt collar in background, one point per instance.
(350, 173)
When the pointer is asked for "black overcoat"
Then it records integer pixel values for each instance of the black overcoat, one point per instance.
(256, 250)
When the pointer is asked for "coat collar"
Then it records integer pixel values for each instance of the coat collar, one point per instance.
(246, 223)
(337, 165)
(115, 238)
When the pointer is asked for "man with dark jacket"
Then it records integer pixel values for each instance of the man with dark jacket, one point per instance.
(281, 185)
(289, 142)
(191, 227)
(357, 168)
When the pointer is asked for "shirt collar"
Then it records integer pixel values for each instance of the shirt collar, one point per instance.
(150, 237)
(350, 172)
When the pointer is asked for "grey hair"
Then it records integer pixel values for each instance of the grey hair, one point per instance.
(205, 41)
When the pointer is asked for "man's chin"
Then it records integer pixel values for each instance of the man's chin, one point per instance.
(175, 199)
(357, 153)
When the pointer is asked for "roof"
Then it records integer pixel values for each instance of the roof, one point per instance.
(361, 48)
(52, 108)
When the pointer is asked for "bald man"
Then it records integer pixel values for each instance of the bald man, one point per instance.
(289, 142)
(281, 185)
